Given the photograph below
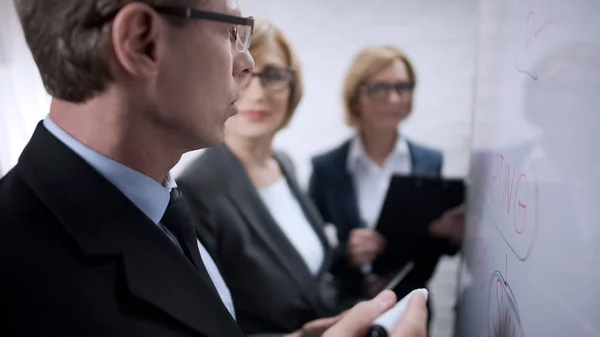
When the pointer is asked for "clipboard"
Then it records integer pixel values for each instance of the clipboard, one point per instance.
(411, 204)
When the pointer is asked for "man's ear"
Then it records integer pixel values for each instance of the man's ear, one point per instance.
(136, 36)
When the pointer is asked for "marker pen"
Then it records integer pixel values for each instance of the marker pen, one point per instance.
(385, 323)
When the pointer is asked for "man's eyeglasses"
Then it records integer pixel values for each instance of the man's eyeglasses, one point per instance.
(381, 90)
(242, 33)
(272, 78)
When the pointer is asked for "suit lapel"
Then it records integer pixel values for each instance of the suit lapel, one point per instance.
(421, 164)
(345, 194)
(245, 198)
(203, 232)
(204, 225)
(104, 222)
(273, 238)
(158, 274)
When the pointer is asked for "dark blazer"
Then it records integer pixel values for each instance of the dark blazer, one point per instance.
(331, 187)
(77, 258)
(272, 288)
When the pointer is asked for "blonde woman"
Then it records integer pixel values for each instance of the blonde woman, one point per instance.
(349, 183)
(268, 236)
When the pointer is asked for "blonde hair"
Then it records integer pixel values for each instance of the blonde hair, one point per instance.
(367, 63)
(265, 33)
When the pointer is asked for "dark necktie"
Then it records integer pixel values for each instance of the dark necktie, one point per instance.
(178, 220)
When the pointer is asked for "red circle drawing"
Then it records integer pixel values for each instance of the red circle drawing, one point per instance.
(520, 229)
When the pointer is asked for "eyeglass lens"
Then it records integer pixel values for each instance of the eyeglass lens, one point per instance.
(383, 89)
(244, 37)
(272, 77)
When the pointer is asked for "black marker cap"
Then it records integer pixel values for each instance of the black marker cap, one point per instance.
(376, 331)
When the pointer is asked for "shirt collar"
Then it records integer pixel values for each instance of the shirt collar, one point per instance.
(357, 153)
(144, 192)
(169, 183)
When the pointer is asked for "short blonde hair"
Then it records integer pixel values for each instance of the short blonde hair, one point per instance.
(367, 63)
(265, 33)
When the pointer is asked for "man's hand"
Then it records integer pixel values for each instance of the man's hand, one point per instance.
(317, 327)
(356, 322)
(450, 225)
(364, 246)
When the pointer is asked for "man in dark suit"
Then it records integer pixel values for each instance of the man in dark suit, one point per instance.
(96, 238)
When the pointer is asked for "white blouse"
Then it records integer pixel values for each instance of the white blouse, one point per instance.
(371, 182)
(290, 217)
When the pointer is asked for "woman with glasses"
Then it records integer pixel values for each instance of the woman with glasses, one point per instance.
(265, 234)
(349, 183)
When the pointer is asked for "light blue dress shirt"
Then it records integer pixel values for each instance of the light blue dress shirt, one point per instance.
(144, 192)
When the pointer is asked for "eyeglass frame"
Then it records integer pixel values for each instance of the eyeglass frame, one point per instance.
(409, 89)
(191, 13)
(290, 84)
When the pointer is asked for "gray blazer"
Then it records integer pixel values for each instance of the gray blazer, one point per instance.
(272, 288)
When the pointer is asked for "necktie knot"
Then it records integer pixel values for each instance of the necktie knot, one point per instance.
(174, 195)
(177, 216)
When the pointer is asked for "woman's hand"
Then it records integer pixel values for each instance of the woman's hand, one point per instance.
(450, 225)
(364, 246)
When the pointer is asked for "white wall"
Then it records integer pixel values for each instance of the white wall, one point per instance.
(438, 35)
(23, 100)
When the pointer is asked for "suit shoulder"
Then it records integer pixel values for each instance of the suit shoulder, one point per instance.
(203, 186)
(21, 214)
(200, 173)
(15, 196)
(331, 157)
(286, 161)
(426, 151)
(283, 156)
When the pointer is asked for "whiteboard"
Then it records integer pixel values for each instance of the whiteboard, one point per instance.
(531, 261)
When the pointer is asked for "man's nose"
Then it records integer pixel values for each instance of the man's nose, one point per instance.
(245, 64)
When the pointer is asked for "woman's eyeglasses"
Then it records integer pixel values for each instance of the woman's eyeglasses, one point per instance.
(272, 78)
(382, 90)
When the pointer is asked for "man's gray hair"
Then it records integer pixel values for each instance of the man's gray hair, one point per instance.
(69, 50)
